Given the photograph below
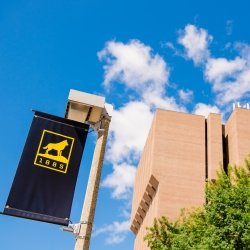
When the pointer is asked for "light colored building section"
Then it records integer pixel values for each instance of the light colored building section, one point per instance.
(144, 171)
(179, 157)
(181, 152)
(171, 172)
(147, 221)
(214, 145)
(237, 134)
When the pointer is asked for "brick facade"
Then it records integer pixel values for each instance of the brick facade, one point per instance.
(181, 152)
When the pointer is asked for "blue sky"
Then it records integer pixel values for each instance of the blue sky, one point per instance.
(190, 56)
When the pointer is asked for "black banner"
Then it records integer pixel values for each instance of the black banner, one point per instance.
(45, 180)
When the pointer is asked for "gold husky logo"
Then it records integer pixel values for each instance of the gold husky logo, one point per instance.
(54, 151)
(59, 147)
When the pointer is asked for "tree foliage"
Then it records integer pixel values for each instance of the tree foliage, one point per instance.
(222, 223)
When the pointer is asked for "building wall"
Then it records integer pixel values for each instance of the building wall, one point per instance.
(144, 169)
(214, 145)
(171, 172)
(237, 133)
(181, 152)
(140, 244)
(179, 159)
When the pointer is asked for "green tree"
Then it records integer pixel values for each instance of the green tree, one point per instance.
(222, 223)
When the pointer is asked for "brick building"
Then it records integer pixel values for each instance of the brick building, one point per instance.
(181, 152)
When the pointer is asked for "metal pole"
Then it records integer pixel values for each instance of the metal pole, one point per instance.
(89, 205)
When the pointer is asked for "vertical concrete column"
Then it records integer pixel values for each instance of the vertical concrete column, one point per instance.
(88, 211)
(214, 145)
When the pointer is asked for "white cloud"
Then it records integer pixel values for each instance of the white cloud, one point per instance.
(185, 95)
(125, 211)
(157, 100)
(121, 180)
(116, 232)
(195, 41)
(205, 109)
(134, 65)
(115, 239)
(229, 78)
(244, 51)
(235, 90)
(128, 131)
(169, 45)
(218, 69)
